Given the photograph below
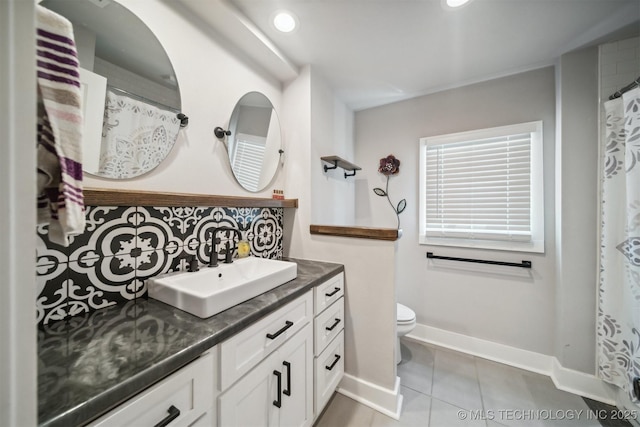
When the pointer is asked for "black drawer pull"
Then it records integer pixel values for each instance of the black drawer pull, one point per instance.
(173, 414)
(332, 327)
(278, 402)
(287, 392)
(335, 291)
(286, 326)
(330, 367)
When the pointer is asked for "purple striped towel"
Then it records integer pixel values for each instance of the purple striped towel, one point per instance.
(60, 199)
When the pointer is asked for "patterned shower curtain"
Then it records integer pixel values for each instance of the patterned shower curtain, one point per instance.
(618, 317)
(136, 136)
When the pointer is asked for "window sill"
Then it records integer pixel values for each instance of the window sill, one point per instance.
(514, 246)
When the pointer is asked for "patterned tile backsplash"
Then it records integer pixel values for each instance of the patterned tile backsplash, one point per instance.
(123, 246)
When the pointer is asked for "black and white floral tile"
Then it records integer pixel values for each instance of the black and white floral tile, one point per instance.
(123, 246)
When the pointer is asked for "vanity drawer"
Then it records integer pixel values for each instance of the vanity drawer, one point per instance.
(328, 292)
(249, 347)
(190, 390)
(328, 325)
(329, 369)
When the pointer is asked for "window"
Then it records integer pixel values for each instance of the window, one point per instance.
(483, 189)
(246, 159)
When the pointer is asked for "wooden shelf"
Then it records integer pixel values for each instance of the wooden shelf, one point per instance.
(357, 232)
(111, 197)
(339, 162)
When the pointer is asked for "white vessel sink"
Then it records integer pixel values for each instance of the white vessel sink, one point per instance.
(212, 290)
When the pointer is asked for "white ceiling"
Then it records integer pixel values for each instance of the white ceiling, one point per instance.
(373, 52)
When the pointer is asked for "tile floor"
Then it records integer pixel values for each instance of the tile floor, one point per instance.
(443, 388)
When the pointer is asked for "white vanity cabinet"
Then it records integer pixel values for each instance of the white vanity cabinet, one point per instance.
(278, 371)
(184, 398)
(277, 392)
(328, 340)
(272, 361)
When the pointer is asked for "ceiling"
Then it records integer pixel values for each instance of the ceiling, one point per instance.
(373, 52)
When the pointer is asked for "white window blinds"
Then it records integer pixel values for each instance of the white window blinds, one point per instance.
(248, 152)
(478, 186)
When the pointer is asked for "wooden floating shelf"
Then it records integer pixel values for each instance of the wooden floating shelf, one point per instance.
(357, 232)
(112, 197)
(339, 162)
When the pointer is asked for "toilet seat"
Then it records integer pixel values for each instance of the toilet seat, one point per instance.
(405, 314)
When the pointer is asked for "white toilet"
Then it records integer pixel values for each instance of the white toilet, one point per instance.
(406, 321)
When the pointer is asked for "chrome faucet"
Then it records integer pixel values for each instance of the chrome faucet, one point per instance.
(213, 260)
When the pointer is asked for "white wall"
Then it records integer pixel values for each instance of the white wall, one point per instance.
(576, 206)
(85, 46)
(18, 358)
(129, 81)
(500, 304)
(332, 134)
(619, 65)
(211, 81)
(311, 117)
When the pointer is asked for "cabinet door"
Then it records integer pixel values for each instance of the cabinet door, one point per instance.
(329, 370)
(250, 401)
(277, 392)
(296, 364)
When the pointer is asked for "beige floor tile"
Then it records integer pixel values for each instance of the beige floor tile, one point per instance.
(444, 414)
(416, 368)
(442, 388)
(505, 394)
(415, 411)
(342, 411)
(455, 380)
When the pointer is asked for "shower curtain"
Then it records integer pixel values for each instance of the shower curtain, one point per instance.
(618, 316)
(136, 136)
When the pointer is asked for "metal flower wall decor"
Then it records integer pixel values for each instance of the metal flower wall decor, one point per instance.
(390, 166)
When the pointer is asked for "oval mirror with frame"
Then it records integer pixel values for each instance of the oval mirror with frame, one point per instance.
(254, 144)
(131, 93)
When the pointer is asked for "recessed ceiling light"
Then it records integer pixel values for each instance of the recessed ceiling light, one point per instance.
(285, 22)
(456, 3)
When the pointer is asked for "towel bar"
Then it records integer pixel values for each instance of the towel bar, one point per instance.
(523, 264)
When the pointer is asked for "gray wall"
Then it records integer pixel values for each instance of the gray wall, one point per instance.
(503, 305)
(576, 204)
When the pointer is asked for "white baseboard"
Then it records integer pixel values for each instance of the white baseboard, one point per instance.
(577, 382)
(564, 379)
(384, 400)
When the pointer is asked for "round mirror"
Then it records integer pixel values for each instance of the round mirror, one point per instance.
(254, 145)
(130, 92)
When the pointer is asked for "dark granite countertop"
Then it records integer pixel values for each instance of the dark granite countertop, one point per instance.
(90, 364)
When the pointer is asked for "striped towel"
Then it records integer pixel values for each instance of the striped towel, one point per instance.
(60, 199)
